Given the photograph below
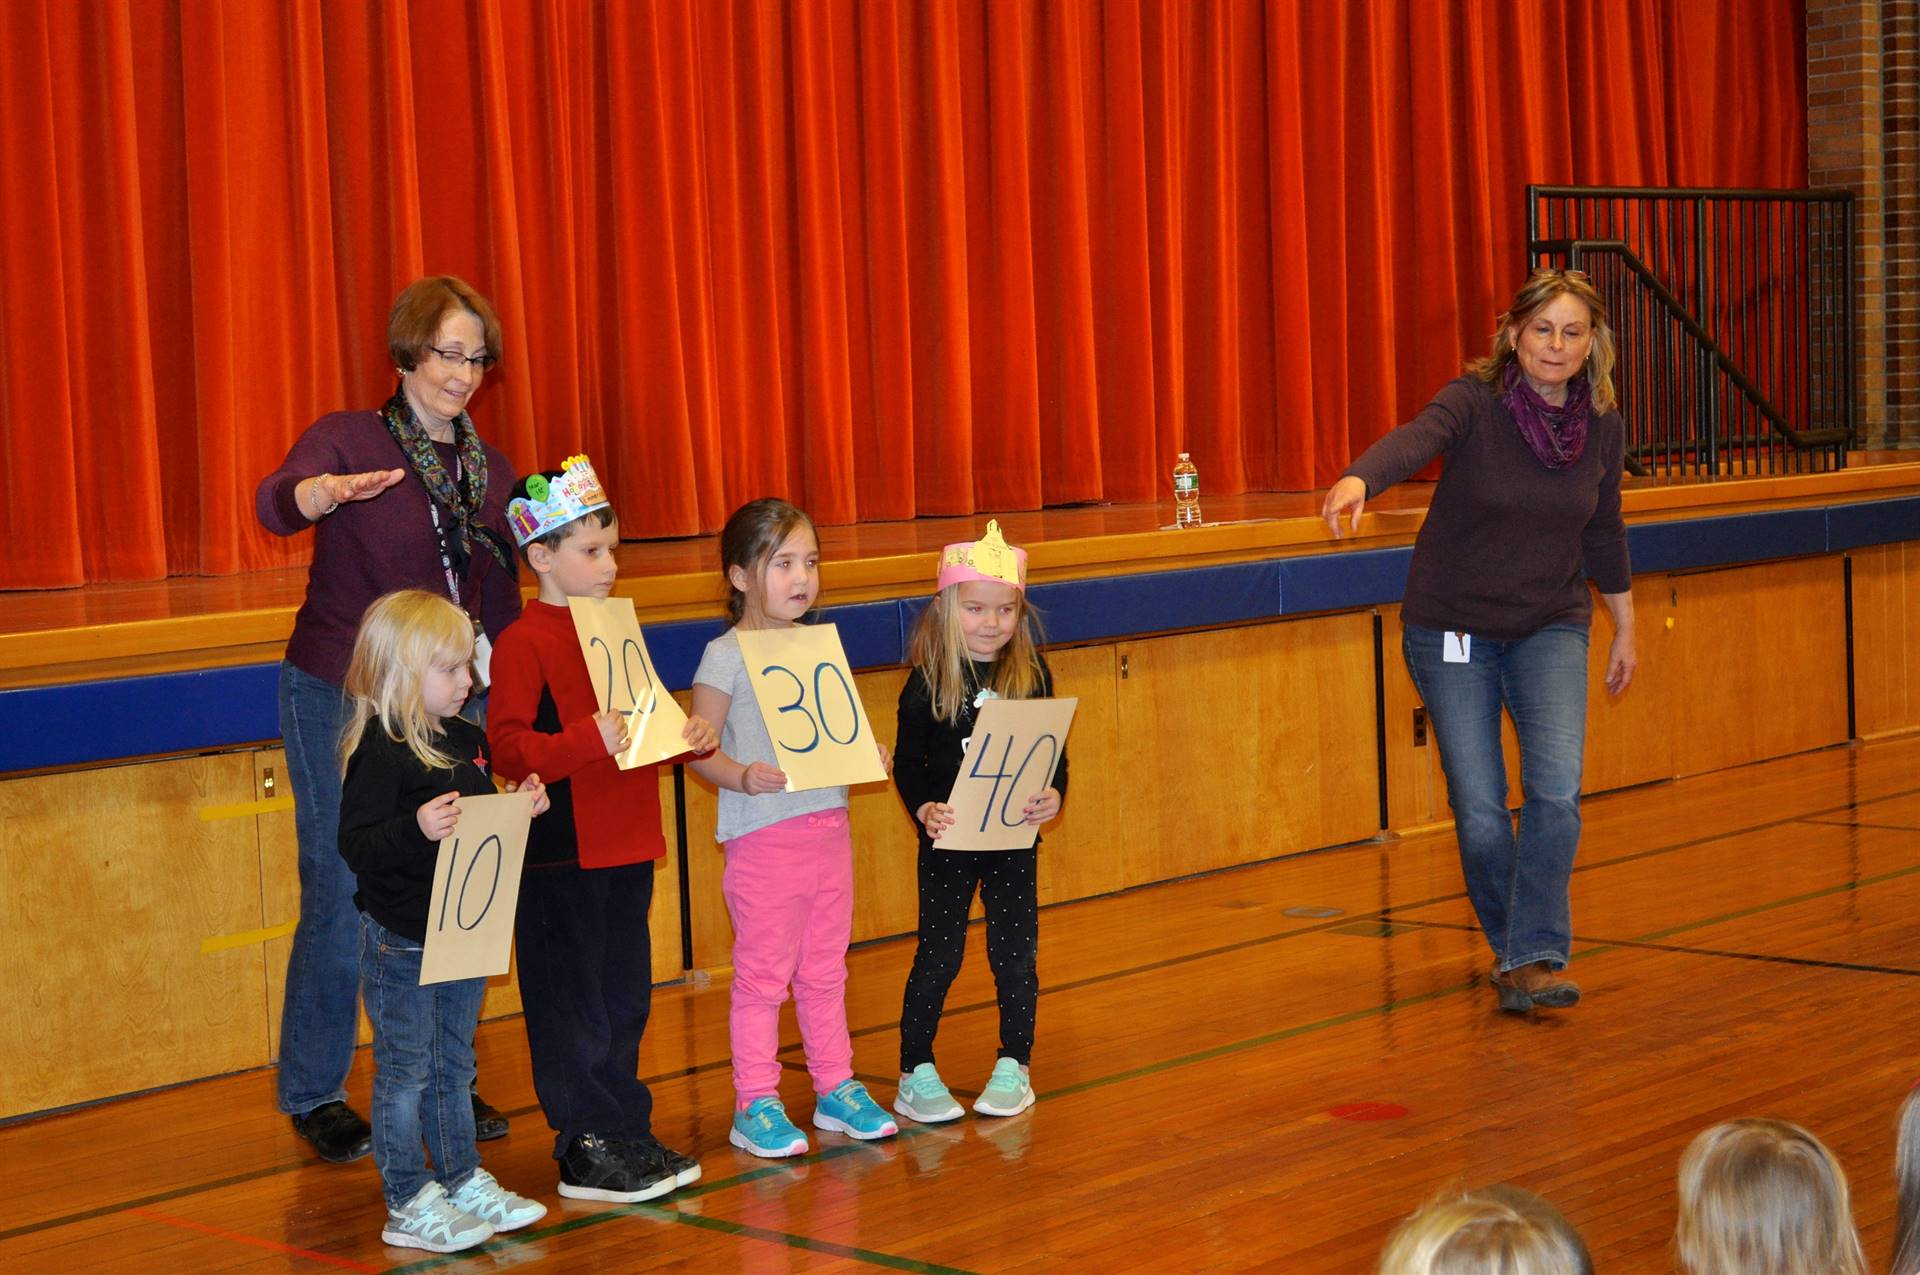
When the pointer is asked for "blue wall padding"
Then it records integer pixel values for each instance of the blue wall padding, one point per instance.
(1338, 581)
(1873, 522)
(81, 722)
(1714, 542)
(1158, 601)
(77, 723)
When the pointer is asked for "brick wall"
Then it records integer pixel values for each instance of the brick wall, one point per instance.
(1863, 76)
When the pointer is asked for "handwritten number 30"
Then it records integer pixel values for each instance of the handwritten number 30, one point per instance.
(816, 717)
(493, 885)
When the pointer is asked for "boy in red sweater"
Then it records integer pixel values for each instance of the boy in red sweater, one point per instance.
(586, 973)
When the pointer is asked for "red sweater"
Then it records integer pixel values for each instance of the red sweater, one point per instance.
(615, 813)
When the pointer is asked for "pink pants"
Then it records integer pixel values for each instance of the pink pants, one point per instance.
(789, 890)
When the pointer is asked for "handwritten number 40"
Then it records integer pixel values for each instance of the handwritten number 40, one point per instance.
(630, 655)
(1012, 780)
(492, 843)
(816, 716)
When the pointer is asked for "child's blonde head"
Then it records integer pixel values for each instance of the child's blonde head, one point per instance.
(402, 636)
(1906, 1181)
(1764, 1197)
(1501, 1230)
(938, 649)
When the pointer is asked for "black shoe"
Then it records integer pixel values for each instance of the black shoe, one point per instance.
(336, 1131)
(684, 1168)
(592, 1168)
(488, 1124)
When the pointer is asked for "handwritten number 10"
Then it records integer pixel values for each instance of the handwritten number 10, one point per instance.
(816, 717)
(629, 653)
(493, 886)
(1012, 780)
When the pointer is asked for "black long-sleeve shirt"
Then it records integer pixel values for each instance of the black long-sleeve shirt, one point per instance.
(927, 751)
(380, 835)
(1500, 552)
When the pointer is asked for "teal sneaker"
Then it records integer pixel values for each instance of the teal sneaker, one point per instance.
(1007, 1093)
(762, 1128)
(848, 1108)
(923, 1097)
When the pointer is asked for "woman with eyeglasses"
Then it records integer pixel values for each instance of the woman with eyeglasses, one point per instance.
(1496, 610)
(404, 497)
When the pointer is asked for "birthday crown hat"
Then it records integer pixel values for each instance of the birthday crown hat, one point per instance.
(988, 558)
(553, 503)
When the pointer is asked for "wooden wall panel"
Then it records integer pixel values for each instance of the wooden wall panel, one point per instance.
(1886, 639)
(1244, 744)
(1761, 654)
(113, 882)
(1630, 736)
(1081, 852)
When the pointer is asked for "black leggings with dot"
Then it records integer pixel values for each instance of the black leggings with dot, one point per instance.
(1009, 892)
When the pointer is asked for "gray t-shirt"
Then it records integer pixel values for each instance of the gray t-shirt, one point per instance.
(744, 738)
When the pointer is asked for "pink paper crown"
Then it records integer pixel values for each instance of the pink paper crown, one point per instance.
(552, 503)
(988, 558)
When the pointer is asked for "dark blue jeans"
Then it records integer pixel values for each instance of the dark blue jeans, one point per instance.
(317, 1023)
(423, 1066)
(1518, 882)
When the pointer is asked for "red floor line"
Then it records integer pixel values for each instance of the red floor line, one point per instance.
(328, 1259)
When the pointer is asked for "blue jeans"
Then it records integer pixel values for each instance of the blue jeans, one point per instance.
(318, 1027)
(1518, 883)
(317, 1023)
(423, 1066)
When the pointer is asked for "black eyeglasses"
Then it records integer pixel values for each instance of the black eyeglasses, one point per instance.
(455, 359)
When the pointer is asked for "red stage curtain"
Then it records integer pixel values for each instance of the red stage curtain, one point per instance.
(888, 259)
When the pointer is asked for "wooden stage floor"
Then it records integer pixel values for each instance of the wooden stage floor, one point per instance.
(1227, 1084)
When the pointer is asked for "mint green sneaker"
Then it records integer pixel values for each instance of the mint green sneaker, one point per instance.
(1007, 1093)
(762, 1127)
(923, 1097)
(848, 1108)
(482, 1196)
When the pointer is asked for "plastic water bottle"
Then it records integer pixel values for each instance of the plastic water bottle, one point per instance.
(1186, 493)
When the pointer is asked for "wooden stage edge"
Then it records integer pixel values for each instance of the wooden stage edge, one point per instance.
(121, 630)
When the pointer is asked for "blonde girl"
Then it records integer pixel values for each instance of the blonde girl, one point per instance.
(407, 759)
(788, 881)
(1501, 1230)
(1764, 1197)
(977, 640)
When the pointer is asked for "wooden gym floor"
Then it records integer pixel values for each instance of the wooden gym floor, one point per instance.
(1227, 1081)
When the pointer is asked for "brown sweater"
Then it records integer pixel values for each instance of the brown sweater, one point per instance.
(1500, 553)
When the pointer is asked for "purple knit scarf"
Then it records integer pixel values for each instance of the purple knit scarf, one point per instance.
(1555, 435)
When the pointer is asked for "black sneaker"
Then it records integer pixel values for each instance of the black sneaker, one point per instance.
(488, 1124)
(684, 1168)
(592, 1168)
(336, 1131)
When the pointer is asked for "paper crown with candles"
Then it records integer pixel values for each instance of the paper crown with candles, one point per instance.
(552, 503)
(988, 558)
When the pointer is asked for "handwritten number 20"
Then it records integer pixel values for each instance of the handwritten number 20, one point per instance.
(816, 717)
(493, 885)
(630, 654)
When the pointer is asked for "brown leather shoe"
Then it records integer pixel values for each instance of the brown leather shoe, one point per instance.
(1526, 987)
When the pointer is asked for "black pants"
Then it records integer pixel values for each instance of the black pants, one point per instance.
(586, 982)
(1008, 889)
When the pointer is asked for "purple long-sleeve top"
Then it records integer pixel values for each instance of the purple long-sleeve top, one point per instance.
(1505, 538)
(369, 547)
